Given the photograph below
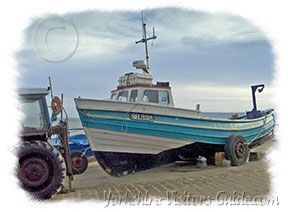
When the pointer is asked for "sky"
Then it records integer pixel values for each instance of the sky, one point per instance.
(208, 58)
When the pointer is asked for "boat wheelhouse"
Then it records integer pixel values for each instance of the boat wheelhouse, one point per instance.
(138, 87)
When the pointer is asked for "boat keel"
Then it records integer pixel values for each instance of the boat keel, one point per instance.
(121, 164)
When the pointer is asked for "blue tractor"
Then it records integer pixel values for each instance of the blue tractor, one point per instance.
(79, 151)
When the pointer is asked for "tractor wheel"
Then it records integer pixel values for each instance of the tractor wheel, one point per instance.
(237, 150)
(79, 162)
(41, 169)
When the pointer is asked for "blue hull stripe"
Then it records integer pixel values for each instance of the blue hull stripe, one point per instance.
(197, 130)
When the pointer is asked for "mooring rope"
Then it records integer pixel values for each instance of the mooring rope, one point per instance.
(274, 119)
(127, 113)
(265, 119)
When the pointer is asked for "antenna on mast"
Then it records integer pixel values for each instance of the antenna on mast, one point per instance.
(144, 40)
(142, 17)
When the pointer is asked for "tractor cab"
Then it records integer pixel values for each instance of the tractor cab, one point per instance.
(36, 122)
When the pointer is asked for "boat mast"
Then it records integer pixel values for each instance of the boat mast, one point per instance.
(144, 40)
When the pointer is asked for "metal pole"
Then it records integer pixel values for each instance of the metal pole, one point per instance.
(144, 40)
(146, 46)
(253, 98)
(62, 98)
(50, 85)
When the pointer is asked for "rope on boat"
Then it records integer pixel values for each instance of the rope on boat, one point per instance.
(274, 119)
(127, 113)
(265, 120)
(124, 126)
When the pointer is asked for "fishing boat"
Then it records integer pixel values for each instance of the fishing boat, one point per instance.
(140, 128)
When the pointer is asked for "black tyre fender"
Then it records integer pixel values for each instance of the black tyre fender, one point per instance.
(40, 170)
(236, 150)
(79, 162)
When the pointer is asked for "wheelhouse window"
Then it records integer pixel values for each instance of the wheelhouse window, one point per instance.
(163, 97)
(133, 96)
(123, 96)
(113, 96)
(151, 96)
(156, 96)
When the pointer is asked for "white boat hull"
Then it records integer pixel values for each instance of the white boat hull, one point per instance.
(113, 141)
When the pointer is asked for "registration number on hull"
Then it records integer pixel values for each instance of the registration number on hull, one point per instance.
(141, 117)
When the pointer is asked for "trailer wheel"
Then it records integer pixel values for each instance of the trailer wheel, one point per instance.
(236, 150)
(79, 162)
(41, 169)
